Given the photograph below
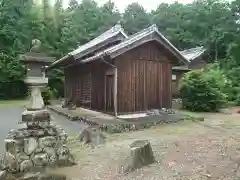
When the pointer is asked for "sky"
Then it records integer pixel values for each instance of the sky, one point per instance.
(147, 4)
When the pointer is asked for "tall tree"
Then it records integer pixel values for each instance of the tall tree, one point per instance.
(135, 18)
(12, 22)
(109, 16)
(72, 5)
(204, 22)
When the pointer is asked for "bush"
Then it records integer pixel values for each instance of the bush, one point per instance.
(47, 95)
(56, 82)
(15, 89)
(202, 91)
(238, 100)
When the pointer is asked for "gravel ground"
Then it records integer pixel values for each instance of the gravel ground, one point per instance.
(186, 150)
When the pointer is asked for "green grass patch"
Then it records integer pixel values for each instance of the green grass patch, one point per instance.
(13, 103)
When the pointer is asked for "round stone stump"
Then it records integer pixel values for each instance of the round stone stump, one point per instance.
(141, 153)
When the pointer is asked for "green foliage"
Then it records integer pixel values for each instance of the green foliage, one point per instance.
(56, 82)
(201, 91)
(222, 81)
(48, 95)
(238, 100)
(135, 18)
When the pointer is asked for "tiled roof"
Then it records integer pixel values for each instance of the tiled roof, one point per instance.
(193, 53)
(134, 38)
(150, 33)
(84, 49)
(117, 29)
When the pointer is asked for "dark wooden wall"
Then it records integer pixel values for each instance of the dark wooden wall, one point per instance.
(144, 81)
(84, 85)
(98, 85)
(144, 78)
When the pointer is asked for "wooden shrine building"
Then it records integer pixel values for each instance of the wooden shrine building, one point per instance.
(116, 73)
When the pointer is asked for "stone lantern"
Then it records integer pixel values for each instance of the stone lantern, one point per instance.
(36, 61)
(38, 143)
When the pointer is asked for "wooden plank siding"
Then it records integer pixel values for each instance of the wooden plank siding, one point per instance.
(98, 85)
(144, 79)
(84, 85)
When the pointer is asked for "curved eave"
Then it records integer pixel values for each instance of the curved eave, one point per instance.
(61, 62)
(173, 49)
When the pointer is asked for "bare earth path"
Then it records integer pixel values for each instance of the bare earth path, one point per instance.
(186, 150)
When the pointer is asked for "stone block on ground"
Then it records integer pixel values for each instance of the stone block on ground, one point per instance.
(36, 132)
(39, 115)
(141, 154)
(21, 157)
(65, 158)
(30, 144)
(63, 153)
(153, 112)
(26, 165)
(93, 136)
(60, 131)
(40, 159)
(62, 135)
(11, 146)
(157, 112)
(50, 131)
(11, 162)
(32, 125)
(3, 174)
(2, 161)
(38, 150)
(51, 152)
(43, 124)
(48, 141)
(17, 133)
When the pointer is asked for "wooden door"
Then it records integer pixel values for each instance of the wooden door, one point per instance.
(109, 93)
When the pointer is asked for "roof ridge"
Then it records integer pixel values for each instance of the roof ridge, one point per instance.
(192, 49)
(135, 37)
(153, 27)
(192, 53)
(113, 29)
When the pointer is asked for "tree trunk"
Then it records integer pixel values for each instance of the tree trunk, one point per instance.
(92, 136)
(141, 153)
(216, 50)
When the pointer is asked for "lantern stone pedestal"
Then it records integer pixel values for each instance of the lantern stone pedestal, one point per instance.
(36, 84)
(39, 143)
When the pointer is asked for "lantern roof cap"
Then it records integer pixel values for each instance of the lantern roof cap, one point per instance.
(35, 54)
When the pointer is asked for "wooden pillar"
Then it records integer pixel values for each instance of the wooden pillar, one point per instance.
(115, 91)
(105, 93)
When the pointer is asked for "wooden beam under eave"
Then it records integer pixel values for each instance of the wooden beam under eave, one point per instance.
(115, 90)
